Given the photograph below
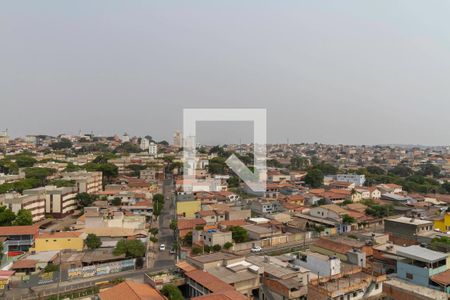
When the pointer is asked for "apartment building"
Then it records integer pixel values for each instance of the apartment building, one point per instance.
(33, 203)
(404, 230)
(59, 202)
(86, 182)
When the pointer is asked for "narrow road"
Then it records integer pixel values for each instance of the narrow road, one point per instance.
(163, 258)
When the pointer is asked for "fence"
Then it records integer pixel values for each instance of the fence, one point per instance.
(34, 280)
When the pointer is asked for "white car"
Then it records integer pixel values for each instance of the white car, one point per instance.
(162, 247)
(256, 249)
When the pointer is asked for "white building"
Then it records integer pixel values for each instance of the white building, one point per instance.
(4, 138)
(145, 143)
(35, 204)
(319, 264)
(125, 138)
(178, 139)
(153, 149)
(358, 180)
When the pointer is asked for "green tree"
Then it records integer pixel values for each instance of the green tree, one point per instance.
(239, 234)
(62, 144)
(346, 219)
(7, 217)
(227, 245)
(299, 163)
(40, 174)
(196, 250)
(93, 241)
(173, 225)
(187, 240)
(23, 218)
(314, 178)
(153, 231)
(172, 292)
(131, 248)
(116, 201)
(216, 248)
(85, 199)
(1, 250)
(25, 161)
(51, 268)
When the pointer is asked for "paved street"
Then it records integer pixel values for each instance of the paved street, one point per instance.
(164, 258)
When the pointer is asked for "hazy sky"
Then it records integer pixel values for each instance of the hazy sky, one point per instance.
(355, 72)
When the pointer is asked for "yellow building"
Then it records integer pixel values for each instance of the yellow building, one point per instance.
(189, 208)
(443, 224)
(59, 241)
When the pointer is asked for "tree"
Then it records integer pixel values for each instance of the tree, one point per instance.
(62, 144)
(23, 218)
(40, 174)
(25, 161)
(314, 178)
(239, 234)
(51, 268)
(197, 250)
(402, 171)
(216, 248)
(153, 231)
(93, 241)
(172, 292)
(173, 225)
(128, 147)
(227, 245)
(299, 163)
(233, 182)
(1, 250)
(187, 240)
(207, 248)
(116, 201)
(6, 216)
(85, 199)
(131, 248)
(346, 219)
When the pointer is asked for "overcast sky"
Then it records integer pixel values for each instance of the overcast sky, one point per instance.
(353, 72)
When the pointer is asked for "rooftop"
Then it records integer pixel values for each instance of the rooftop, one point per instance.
(415, 221)
(131, 290)
(209, 281)
(422, 254)
(214, 257)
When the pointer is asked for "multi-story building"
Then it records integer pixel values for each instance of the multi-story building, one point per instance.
(403, 230)
(86, 182)
(4, 138)
(18, 238)
(35, 204)
(418, 265)
(153, 149)
(59, 202)
(178, 139)
(145, 143)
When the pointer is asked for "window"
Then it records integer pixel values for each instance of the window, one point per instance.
(377, 286)
(409, 276)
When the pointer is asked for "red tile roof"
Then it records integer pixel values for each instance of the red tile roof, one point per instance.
(18, 230)
(24, 264)
(209, 281)
(131, 290)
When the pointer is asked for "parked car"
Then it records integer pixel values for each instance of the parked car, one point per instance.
(162, 247)
(173, 251)
(256, 249)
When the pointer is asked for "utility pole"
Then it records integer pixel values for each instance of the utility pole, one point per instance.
(59, 275)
